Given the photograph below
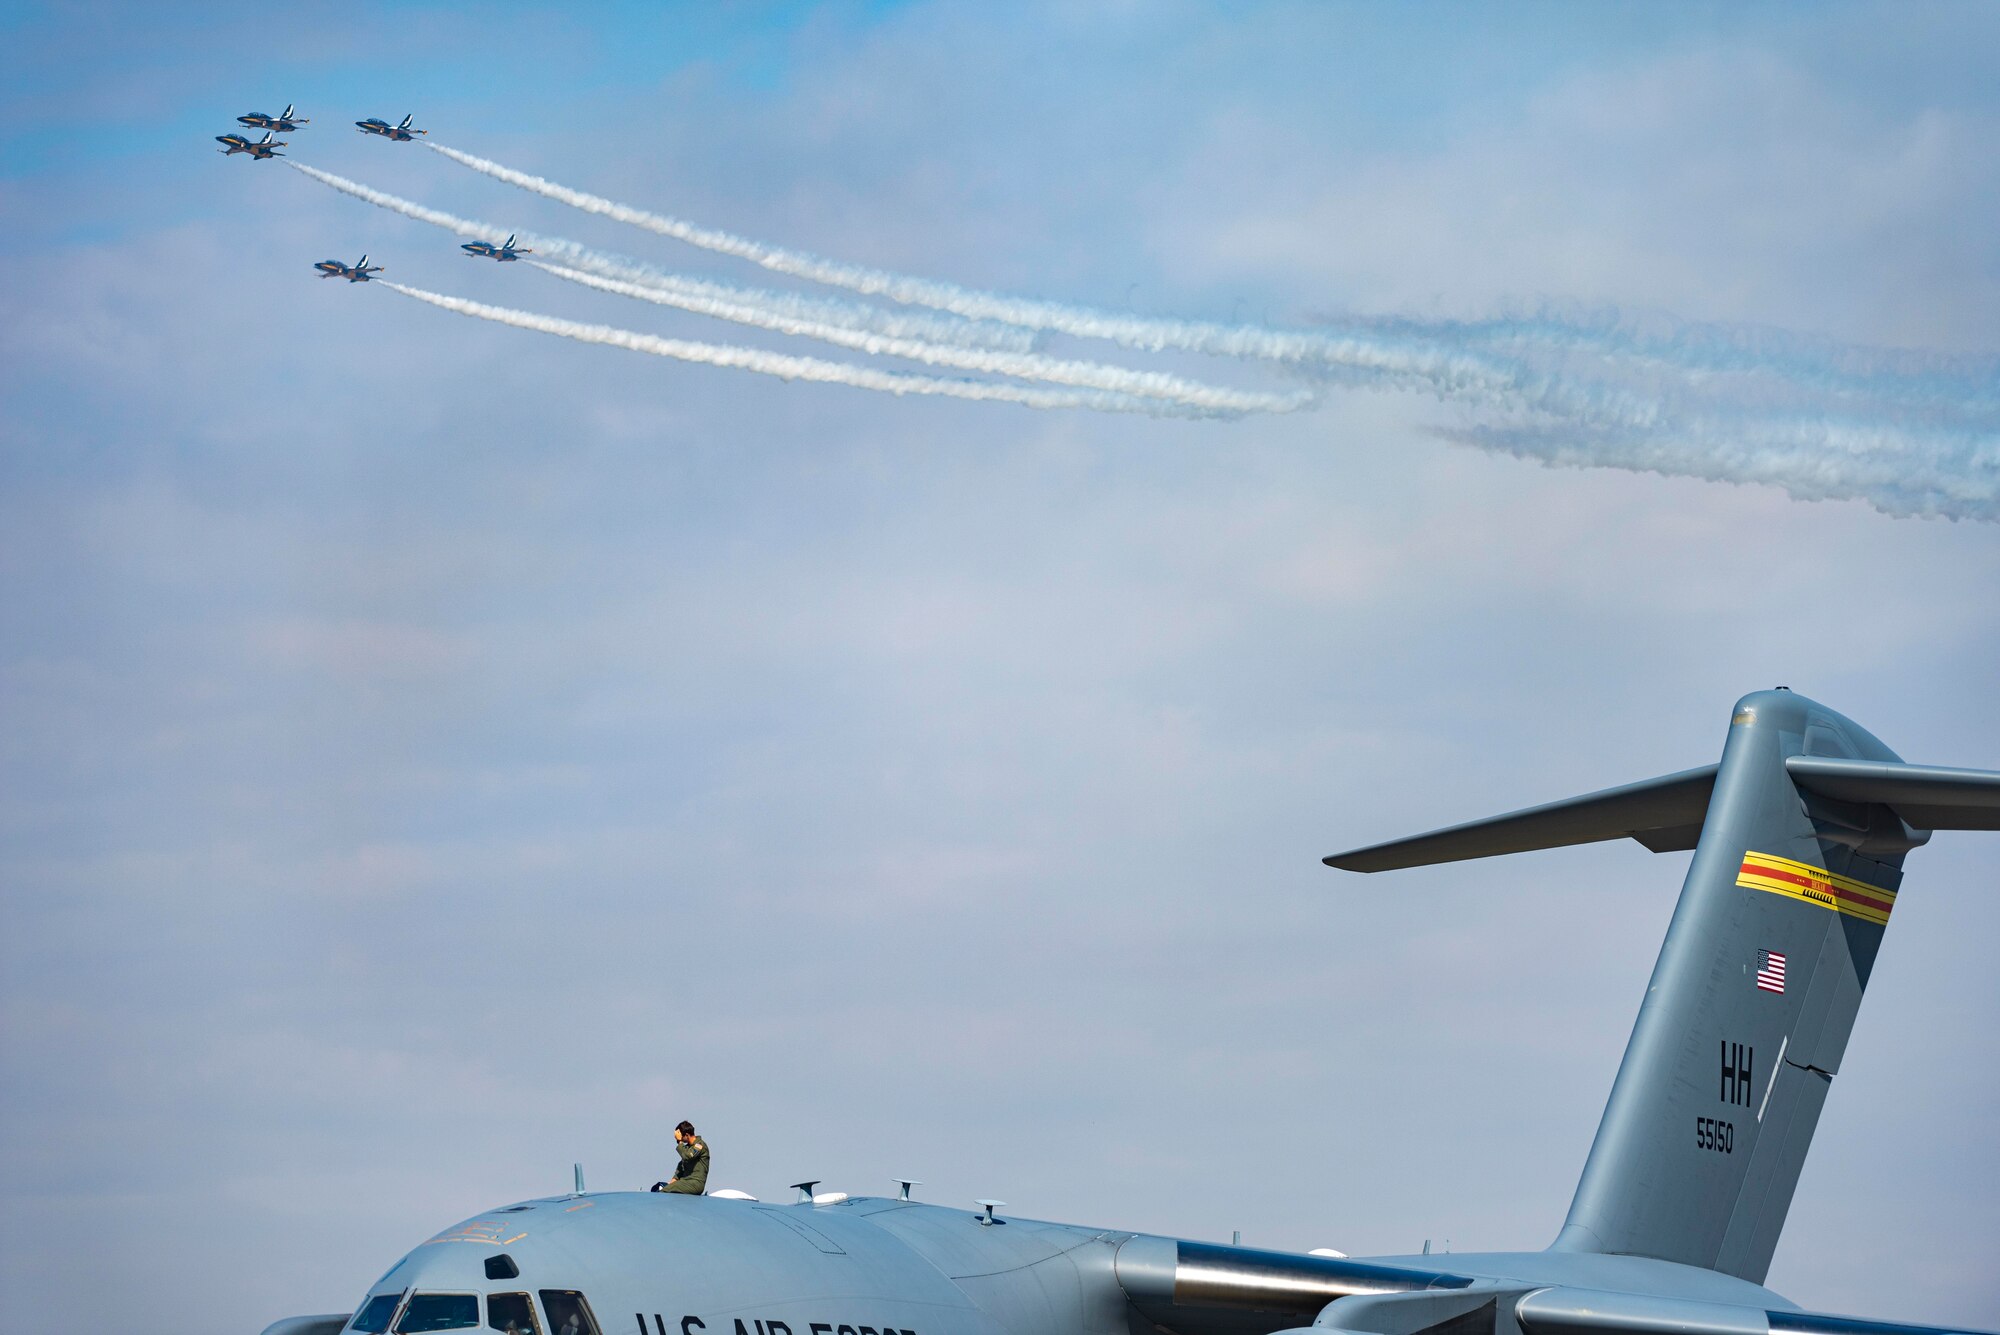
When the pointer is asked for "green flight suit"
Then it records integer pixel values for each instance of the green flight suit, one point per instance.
(692, 1179)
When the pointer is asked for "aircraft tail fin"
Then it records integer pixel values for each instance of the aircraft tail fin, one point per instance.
(1799, 833)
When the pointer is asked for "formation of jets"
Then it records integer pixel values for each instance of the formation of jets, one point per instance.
(285, 122)
(289, 120)
(400, 132)
(353, 273)
(503, 252)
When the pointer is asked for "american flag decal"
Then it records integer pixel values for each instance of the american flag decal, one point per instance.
(1770, 971)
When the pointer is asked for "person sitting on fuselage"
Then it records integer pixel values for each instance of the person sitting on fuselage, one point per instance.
(691, 1178)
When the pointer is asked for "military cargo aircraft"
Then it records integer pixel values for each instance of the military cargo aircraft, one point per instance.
(284, 123)
(353, 273)
(1799, 835)
(503, 252)
(401, 132)
(258, 149)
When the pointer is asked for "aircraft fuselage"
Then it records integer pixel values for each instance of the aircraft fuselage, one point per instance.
(402, 133)
(285, 124)
(691, 1265)
(258, 149)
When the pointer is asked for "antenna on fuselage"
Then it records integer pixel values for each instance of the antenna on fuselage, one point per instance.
(905, 1183)
(990, 1206)
(805, 1190)
(579, 1179)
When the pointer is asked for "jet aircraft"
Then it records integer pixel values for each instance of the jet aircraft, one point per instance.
(353, 273)
(401, 132)
(503, 252)
(1799, 834)
(258, 149)
(285, 122)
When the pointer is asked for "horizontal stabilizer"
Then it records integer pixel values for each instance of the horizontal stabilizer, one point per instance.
(1664, 814)
(1927, 797)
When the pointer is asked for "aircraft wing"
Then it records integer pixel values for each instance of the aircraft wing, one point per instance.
(1198, 1288)
(1202, 1288)
(1664, 814)
(1565, 1311)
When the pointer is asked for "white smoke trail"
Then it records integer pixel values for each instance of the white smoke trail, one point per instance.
(1950, 476)
(842, 314)
(1360, 349)
(1401, 361)
(1025, 366)
(867, 329)
(1956, 384)
(1455, 356)
(1910, 434)
(786, 367)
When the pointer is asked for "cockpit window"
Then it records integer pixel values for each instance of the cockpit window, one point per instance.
(373, 1318)
(440, 1311)
(568, 1313)
(511, 1313)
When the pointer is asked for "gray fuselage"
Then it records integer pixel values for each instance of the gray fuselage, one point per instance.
(870, 1266)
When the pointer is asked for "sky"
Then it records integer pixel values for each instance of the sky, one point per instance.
(436, 753)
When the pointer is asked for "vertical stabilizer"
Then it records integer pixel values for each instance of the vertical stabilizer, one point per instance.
(1750, 1005)
(1799, 835)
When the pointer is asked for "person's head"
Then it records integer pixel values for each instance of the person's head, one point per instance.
(685, 1131)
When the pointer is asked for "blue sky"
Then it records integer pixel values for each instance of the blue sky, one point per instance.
(435, 753)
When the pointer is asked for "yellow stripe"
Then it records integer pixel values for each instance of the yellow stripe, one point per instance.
(1819, 889)
(1769, 872)
(1805, 896)
(1820, 874)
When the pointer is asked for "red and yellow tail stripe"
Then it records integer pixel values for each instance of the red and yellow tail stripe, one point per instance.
(1815, 885)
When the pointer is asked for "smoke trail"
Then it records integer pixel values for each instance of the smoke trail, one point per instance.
(867, 329)
(1367, 357)
(1397, 349)
(1026, 366)
(1903, 459)
(842, 314)
(1950, 476)
(1360, 353)
(1133, 331)
(786, 367)
(1911, 434)
(1359, 349)
(1955, 385)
